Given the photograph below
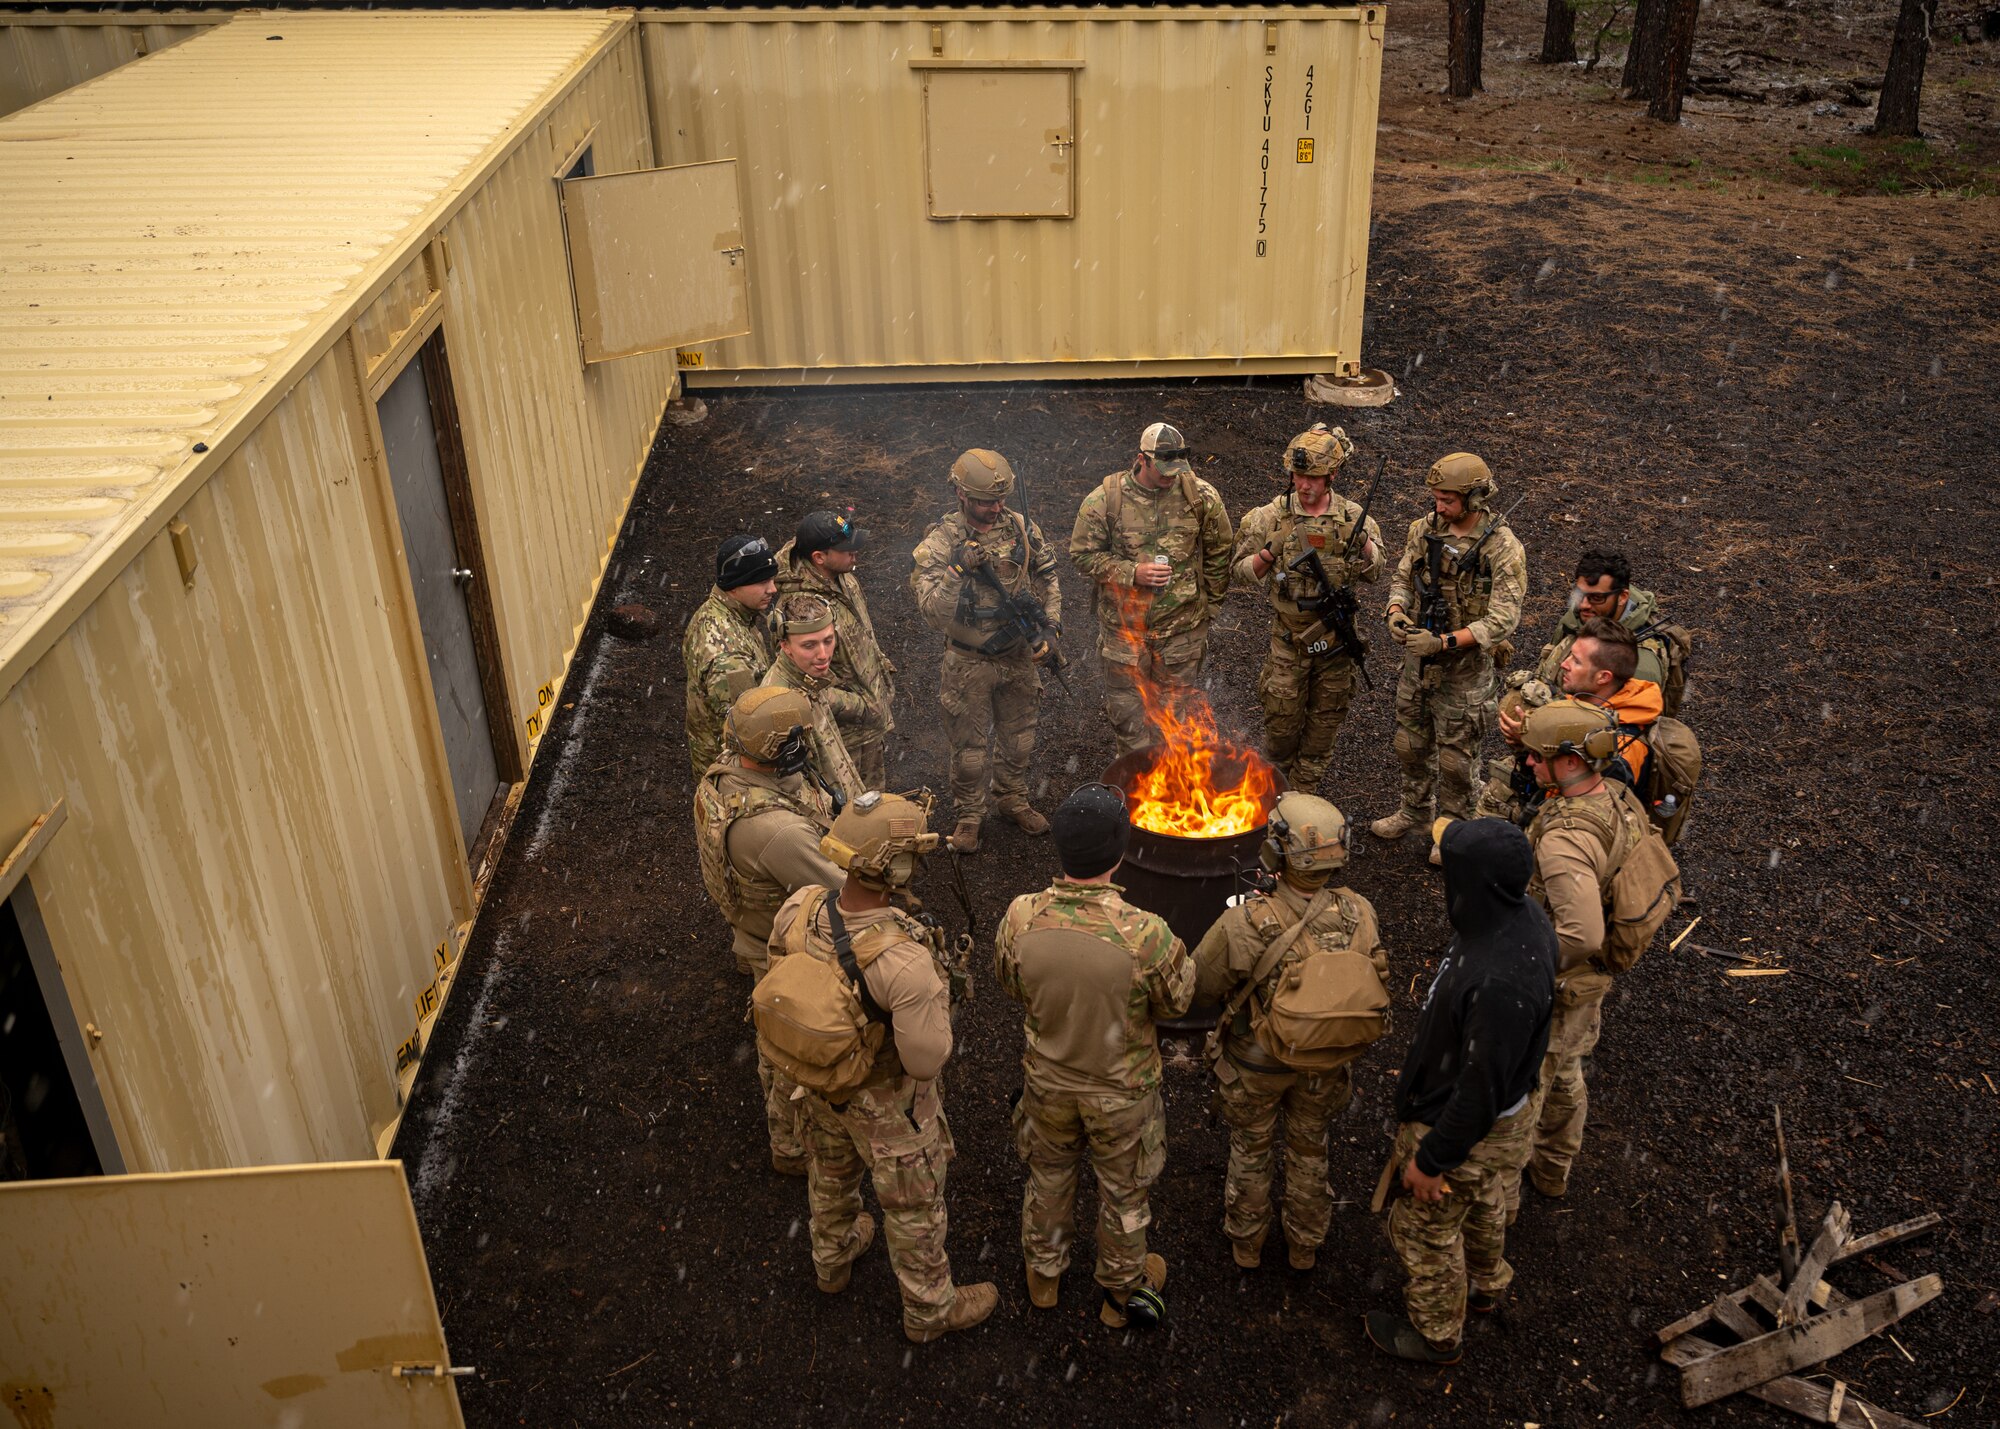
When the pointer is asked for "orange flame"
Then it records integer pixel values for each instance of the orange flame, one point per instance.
(1184, 794)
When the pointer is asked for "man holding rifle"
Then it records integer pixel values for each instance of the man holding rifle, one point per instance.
(985, 578)
(1308, 547)
(1453, 605)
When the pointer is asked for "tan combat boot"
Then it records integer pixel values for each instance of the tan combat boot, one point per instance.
(973, 1305)
(1248, 1254)
(965, 838)
(1395, 825)
(1024, 815)
(1152, 1279)
(863, 1237)
(1303, 1257)
(1043, 1289)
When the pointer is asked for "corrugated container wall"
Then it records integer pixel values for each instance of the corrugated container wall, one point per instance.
(262, 852)
(1221, 162)
(44, 54)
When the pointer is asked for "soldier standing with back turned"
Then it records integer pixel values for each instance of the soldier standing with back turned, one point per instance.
(1456, 595)
(988, 685)
(1308, 679)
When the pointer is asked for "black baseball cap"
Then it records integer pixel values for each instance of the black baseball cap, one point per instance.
(827, 531)
(744, 560)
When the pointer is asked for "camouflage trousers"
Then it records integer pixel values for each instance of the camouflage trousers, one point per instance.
(1562, 1099)
(1441, 1243)
(896, 1132)
(991, 706)
(1252, 1099)
(1305, 699)
(1126, 1137)
(782, 1118)
(1173, 663)
(1441, 716)
(869, 749)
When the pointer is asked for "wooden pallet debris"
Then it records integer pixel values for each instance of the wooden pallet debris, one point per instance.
(1788, 1324)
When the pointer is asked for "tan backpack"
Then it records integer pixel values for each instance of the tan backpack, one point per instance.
(816, 1020)
(1644, 888)
(1328, 1006)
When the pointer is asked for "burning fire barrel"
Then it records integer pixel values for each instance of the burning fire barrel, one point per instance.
(1196, 826)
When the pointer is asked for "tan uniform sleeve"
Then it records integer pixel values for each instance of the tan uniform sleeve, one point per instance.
(933, 583)
(790, 853)
(1042, 573)
(1250, 538)
(1214, 979)
(1372, 572)
(1510, 589)
(905, 982)
(1090, 544)
(1217, 540)
(1368, 935)
(1169, 978)
(1567, 862)
(1403, 584)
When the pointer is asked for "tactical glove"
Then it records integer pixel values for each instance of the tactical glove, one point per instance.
(1400, 625)
(1422, 643)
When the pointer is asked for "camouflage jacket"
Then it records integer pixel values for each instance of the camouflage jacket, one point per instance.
(1093, 974)
(1291, 533)
(724, 654)
(1642, 607)
(1484, 598)
(828, 701)
(859, 666)
(1120, 522)
(965, 609)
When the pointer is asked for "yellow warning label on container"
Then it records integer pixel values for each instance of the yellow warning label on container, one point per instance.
(684, 358)
(1305, 151)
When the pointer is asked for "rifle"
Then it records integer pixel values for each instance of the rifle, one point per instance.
(1023, 617)
(1335, 606)
(1434, 611)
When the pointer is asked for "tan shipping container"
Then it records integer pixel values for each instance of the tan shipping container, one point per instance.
(45, 53)
(962, 194)
(241, 818)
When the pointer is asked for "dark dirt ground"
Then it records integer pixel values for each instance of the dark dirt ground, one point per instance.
(1782, 407)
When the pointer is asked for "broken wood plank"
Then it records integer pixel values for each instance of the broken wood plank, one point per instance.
(1836, 1401)
(1801, 1396)
(1833, 1234)
(1764, 1290)
(1888, 1235)
(1767, 1357)
(1731, 1314)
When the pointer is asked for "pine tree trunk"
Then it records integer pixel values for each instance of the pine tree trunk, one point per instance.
(1642, 59)
(1465, 38)
(1903, 81)
(1559, 34)
(1677, 50)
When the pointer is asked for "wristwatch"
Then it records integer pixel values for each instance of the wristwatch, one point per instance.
(1451, 641)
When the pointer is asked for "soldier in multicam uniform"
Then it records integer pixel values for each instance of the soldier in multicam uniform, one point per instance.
(1093, 973)
(758, 823)
(893, 1124)
(1465, 1092)
(988, 685)
(1586, 827)
(1308, 679)
(804, 629)
(820, 561)
(1446, 684)
(1253, 1086)
(723, 649)
(1155, 542)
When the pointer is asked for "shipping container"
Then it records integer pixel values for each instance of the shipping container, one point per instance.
(45, 52)
(1017, 193)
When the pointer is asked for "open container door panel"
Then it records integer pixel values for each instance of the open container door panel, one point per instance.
(221, 1298)
(656, 259)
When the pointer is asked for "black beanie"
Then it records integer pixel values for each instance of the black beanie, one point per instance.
(744, 560)
(1091, 831)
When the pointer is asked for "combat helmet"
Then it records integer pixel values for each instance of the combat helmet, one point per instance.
(880, 839)
(1589, 732)
(769, 724)
(983, 475)
(1465, 474)
(1306, 835)
(1318, 451)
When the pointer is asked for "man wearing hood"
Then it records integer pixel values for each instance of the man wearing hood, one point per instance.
(1466, 1091)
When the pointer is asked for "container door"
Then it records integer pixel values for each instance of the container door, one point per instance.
(281, 1295)
(443, 574)
(656, 258)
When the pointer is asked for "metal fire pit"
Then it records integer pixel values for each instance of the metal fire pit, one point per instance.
(1187, 881)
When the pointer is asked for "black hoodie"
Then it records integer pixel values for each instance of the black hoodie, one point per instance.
(1485, 1023)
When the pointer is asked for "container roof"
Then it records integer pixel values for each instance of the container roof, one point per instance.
(184, 236)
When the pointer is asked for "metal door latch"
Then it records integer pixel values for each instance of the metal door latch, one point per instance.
(430, 1369)
(732, 254)
(463, 577)
(1062, 146)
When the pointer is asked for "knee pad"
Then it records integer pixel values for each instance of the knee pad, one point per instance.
(1453, 763)
(1411, 747)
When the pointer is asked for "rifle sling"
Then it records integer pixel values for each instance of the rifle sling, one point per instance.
(843, 951)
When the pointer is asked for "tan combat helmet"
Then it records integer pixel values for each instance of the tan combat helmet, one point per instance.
(769, 724)
(983, 475)
(1465, 474)
(880, 839)
(1307, 833)
(1318, 451)
(1589, 732)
